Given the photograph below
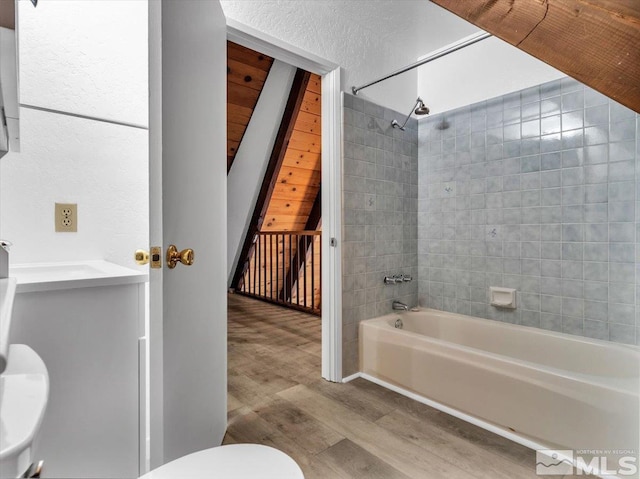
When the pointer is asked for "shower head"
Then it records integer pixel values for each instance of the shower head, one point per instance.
(422, 109)
(419, 109)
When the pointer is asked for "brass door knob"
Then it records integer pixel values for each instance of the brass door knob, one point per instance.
(186, 256)
(141, 257)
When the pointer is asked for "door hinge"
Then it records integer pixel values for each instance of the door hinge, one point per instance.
(333, 242)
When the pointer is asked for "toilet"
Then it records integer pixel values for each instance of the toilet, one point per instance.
(234, 461)
(24, 392)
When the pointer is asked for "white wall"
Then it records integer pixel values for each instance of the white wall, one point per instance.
(250, 164)
(100, 166)
(484, 70)
(85, 58)
(367, 39)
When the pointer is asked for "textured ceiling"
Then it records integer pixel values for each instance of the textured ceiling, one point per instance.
(368, 38)
(411, 27)
(414, 26)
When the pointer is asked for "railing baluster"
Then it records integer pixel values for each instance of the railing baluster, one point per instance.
(290, 287)
(255, 252)
(303, 256)
(313, 272)
(297, 258)
(320, 265)
(298, 270)
(271, 266)
(263, 262)
(283, 295)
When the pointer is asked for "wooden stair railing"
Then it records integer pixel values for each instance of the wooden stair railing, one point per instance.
(280, 259)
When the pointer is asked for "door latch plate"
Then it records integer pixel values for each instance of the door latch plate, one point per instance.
(156, 257)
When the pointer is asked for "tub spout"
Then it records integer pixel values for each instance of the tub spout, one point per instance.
(397, 305)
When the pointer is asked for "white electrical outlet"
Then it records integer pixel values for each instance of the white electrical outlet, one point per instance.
(66, 217)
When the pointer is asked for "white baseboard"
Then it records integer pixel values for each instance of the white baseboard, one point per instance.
(351, 378)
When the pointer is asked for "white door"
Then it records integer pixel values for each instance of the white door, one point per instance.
(188, 320)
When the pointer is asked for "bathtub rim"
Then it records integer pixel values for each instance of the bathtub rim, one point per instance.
(498, 323)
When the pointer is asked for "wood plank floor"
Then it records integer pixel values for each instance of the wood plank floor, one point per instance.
(356, 430)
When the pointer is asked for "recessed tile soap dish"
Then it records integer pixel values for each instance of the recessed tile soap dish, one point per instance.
(503, 297)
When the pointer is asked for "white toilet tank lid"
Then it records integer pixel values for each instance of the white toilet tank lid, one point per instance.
(24, 392)
(234, 461)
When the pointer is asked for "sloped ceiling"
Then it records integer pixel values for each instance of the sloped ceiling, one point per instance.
(247, 71)
(298, 181)
(595, 42)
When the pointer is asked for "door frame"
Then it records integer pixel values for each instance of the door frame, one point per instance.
(331, 180)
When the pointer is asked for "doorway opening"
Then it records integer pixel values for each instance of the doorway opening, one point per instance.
(273, 346)
(274, 125)
(330, 204)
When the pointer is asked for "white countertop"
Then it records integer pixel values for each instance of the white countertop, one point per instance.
(33, 277)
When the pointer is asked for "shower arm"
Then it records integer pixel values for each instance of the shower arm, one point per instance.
(395, 124)
(434, 56)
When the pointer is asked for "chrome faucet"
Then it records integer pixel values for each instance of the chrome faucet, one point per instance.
(398, 306)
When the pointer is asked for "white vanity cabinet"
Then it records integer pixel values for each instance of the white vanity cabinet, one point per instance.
(86, 321)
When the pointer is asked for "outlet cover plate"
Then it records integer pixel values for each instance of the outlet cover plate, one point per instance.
(66, 217)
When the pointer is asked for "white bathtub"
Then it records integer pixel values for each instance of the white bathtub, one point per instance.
(538, 387)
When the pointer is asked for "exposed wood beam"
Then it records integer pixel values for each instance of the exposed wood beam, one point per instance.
(597, 42)
(289, 117)
(316, 213)
(312, 224)
(8, 14)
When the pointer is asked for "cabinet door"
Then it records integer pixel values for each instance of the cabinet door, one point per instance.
(88, 340)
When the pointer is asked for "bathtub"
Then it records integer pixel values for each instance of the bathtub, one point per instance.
(540, 388)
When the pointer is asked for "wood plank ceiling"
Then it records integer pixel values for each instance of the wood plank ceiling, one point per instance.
(247, 71)
(298, 181)
(597, 42)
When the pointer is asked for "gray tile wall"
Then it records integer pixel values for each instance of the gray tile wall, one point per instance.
(536, 190)
(380, 204)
